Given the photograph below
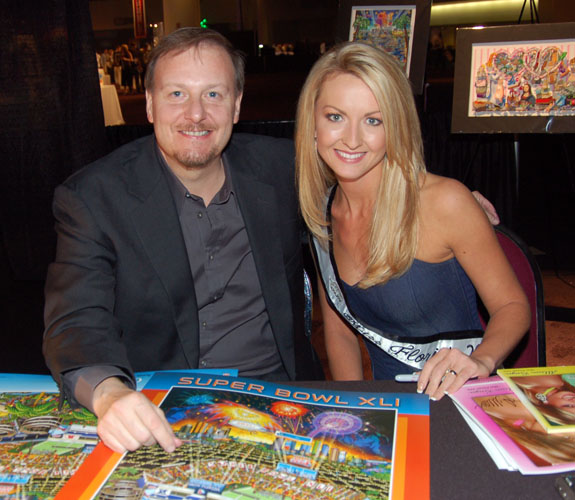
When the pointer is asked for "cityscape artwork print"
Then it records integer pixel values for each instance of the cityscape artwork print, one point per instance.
(42, 444)
(250, 446)
(389, 28)
(515, 79)
(398, 27)
(523, 79)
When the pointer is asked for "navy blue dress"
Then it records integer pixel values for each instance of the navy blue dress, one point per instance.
(429, 298)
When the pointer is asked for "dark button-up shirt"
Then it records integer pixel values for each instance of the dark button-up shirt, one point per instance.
(234, 326)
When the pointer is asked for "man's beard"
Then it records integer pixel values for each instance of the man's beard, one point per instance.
(194, 159)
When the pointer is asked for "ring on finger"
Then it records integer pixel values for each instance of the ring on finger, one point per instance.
(453, 372)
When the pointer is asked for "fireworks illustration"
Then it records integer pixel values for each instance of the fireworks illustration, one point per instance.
(242, 417)
(292, 413)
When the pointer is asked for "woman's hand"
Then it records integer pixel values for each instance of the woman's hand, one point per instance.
(448, 370)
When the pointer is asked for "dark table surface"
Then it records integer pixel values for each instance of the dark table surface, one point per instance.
(460, 467)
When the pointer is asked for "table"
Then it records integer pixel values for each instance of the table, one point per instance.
(111, 105)
(460, 466)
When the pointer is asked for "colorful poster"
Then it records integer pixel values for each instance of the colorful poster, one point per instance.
(43, 441)
(388, 27)
(41, 444)
(251, 439)
(522, 79)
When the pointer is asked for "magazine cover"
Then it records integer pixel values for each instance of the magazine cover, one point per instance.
(510, 433)
(548, 393)
(42, 443)
(250, 439)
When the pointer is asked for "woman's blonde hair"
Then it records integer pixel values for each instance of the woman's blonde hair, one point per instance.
(552, 413)
(392, 240)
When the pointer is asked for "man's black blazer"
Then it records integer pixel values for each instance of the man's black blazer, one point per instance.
(120, 291)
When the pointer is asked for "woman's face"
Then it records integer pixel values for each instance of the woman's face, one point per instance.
(565, 400)
(349, 129)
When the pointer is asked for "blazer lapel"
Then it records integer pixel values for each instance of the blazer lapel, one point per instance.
(259, 207)
(157, 224)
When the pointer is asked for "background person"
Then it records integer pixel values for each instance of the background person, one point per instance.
(400, 251)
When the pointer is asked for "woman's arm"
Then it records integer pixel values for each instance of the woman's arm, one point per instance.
(461, 225)
(341, 343)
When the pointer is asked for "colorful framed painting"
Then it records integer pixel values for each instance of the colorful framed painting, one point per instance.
(515, 79)
(398, 27)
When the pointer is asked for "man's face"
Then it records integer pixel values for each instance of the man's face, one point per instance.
(193, 106)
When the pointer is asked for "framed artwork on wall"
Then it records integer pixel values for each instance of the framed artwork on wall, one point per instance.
(398, 27)
(515, 79)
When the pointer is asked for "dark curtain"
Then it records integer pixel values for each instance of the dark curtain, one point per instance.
(51, 124)
(547, 197)
(52, 120)
(483, 162)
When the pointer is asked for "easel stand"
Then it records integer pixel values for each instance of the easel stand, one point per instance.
(532, 9)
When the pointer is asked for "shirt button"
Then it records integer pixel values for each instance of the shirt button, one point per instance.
(203, 363)
(204, 323)
(216, 297)
(211, 257)
(200, 215)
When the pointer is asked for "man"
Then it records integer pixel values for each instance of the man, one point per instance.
(180, 250)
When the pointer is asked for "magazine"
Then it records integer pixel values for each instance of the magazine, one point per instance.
(508, 431)
(547, 392)
(246, 438)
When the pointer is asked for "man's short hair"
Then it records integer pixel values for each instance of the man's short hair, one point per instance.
(186, 38)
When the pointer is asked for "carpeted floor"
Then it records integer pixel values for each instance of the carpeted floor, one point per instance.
(559, 290)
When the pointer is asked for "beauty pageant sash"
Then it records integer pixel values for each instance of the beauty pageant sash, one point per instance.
(413, 351)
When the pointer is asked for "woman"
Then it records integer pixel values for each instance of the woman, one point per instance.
(405, 246)
(553, 395)
(527, 98)
(127, 69)
(520, 425)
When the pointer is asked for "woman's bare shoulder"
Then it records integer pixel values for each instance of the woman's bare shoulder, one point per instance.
(445, 196)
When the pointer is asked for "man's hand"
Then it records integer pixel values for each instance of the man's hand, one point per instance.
(128, 420)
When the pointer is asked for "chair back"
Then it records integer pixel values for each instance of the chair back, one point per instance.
(531, 350)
